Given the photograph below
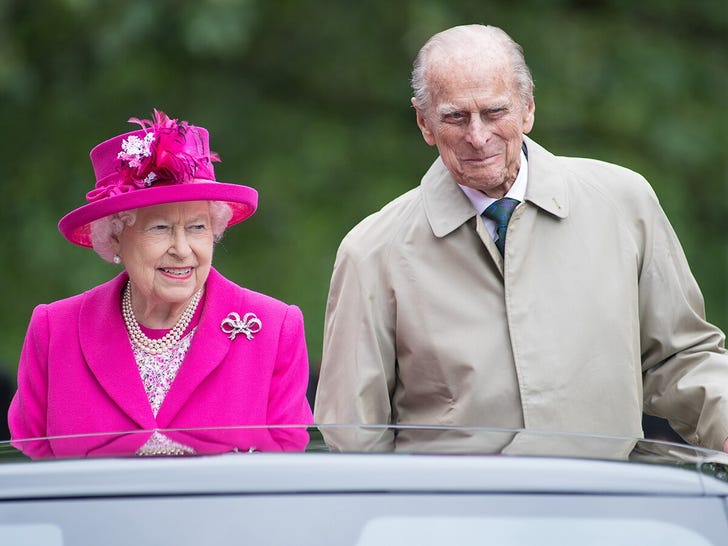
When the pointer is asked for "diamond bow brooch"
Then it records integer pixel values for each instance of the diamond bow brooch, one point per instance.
(232, 325)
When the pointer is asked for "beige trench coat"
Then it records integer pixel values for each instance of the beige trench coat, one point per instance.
(591, 316)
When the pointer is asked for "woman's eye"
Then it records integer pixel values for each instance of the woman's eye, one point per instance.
(198, 227)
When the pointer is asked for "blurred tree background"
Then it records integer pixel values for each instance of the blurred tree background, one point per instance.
(308, 101)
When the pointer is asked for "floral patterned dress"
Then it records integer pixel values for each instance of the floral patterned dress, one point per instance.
(157, 372)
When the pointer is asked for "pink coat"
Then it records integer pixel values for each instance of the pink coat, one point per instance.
(77, 375)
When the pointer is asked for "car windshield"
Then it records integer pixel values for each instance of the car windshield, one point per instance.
(401, 439)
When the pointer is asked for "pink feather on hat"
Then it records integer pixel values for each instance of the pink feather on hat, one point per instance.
(163, 162)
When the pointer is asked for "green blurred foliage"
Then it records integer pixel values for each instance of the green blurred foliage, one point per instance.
(308, 101)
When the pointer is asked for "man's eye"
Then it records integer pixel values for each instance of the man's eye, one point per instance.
(495, 112)
(454, 117)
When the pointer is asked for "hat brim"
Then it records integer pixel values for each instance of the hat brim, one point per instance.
(76, 225)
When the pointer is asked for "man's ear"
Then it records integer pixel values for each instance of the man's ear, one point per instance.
(424, 124)
(529, 117)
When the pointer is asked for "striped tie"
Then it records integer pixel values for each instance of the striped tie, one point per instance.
(500, 212)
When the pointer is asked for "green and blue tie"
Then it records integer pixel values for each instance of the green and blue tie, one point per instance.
(500, 212)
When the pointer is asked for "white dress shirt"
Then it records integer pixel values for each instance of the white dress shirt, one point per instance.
(481, 201)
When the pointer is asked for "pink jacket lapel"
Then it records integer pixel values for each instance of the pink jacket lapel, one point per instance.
(209, 347)
(106, 348)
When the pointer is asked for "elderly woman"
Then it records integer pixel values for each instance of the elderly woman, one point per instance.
(169, 343)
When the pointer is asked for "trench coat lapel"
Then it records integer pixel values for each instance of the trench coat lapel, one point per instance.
(547, 188)
(106, 348)
(446, 206)
(207, 351)
(546, 194)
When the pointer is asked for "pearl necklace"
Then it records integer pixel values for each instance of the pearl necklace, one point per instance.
(155, 346)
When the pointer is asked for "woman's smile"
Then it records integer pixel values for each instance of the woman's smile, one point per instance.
(177, 272)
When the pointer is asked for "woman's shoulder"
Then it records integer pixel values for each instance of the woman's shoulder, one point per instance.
(75, 302)
(66, 312)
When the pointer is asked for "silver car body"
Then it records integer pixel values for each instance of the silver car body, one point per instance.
(660, 494)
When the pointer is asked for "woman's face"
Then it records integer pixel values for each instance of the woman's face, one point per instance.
(167, 252)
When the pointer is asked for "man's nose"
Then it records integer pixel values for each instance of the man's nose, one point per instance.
(478, 132)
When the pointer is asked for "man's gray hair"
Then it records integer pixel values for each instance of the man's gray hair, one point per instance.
(465, 34)
(106, 229)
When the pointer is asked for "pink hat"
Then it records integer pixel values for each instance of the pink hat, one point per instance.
(166, 161)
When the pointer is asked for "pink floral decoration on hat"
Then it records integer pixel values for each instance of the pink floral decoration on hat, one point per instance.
(168, 152)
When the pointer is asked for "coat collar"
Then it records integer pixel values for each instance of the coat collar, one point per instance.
(106, 348)
(447, 207)
(547, 187)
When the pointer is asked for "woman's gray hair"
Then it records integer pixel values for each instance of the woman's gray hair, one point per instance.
(465, 34)
(106, 229)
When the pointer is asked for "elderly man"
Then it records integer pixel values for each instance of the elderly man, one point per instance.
(576, 315)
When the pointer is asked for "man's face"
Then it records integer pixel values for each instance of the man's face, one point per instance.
(477, 119)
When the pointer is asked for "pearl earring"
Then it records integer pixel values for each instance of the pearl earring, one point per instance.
(116, 259)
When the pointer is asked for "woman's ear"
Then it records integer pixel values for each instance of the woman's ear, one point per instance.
(115, 244)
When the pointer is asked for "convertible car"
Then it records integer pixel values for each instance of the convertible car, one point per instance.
(501, 487)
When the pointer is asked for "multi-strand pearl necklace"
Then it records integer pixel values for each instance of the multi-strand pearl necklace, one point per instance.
(155, 346)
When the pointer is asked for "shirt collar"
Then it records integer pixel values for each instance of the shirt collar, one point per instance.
(448, 207)
(481, 201)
